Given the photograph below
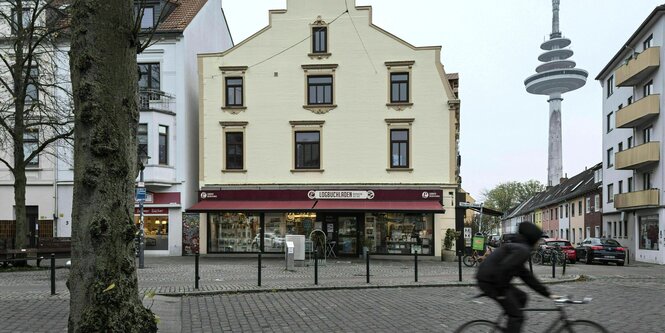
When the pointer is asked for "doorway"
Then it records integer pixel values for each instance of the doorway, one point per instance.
(343, 231)
(31, 214)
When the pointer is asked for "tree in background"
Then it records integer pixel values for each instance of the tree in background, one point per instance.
(503, 197)
(35, 103)
(103, 282)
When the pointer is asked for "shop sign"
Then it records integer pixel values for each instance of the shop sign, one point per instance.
(333, 195)
(152, 211)
(428, 195)
(208, 195)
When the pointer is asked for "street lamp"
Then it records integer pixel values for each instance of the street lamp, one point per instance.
(141, 199)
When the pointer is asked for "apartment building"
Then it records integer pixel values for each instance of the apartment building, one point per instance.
(168, 129)
(323, 122)
(633, 178)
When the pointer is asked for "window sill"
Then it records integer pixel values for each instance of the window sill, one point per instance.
(400, 169)
(399, 106)
(319, 108)
(306, 170)
(34, 168)
(320, 55)
(234, 109)
(234, 171)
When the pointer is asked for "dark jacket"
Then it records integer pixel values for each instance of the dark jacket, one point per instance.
(506, 262)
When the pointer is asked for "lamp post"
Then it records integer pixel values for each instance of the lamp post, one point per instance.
(141, 198)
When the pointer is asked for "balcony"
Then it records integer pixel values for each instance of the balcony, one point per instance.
(638, 157)
(637, 69)
(639, 113)
(631, 200)
(155, 100)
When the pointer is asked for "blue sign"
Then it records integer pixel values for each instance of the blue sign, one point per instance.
(140, 194)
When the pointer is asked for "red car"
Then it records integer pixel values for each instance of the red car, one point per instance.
(564, 244)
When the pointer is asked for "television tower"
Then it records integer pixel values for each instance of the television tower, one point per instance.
(555, 76)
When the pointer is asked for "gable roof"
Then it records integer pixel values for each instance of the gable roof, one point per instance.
(182, 15)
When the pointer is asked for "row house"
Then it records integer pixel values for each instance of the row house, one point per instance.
(570, 210)
(168, 129)
(323, 124)
(632, 84)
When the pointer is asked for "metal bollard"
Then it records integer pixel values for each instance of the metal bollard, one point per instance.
(530, 266)
(416, 264)
(627, 256)
(367, 260)
(259, 269)
(316, 268)
(52, 273)
(564, 266)
(553, 260)
(196, 271)
(459, 263)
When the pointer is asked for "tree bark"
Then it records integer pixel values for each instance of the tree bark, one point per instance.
(103, 283)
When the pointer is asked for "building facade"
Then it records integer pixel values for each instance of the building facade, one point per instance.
(312, 127)
(632, 134)
(168, 103)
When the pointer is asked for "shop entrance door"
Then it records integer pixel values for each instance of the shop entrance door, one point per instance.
(348, 235)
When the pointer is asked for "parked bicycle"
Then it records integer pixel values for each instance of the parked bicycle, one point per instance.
(561, 324)
(476, 258)
(546, 255)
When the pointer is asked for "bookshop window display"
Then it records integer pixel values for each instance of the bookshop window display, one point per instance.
(649, 232)
(156, 229)
(233, 232)
(278, 225)
(399, 233)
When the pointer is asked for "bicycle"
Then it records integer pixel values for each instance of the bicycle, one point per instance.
(475, 258)
(560, 325)
(543, 256)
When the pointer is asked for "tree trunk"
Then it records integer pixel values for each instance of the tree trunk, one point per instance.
(21, 237)
(103, 282)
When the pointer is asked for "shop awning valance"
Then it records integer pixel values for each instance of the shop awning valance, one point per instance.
(379, 206)
(252, 205)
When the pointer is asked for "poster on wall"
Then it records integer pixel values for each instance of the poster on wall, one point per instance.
(190, 233)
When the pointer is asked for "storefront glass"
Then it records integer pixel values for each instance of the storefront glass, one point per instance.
(278, 225)
(156, 230)
(399, 233)
(233, 232)
(649, 232)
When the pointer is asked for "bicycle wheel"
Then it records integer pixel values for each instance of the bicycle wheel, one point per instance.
(582, 326)
(536, 258)
(479, 326)
(469, 261)
(560, 258)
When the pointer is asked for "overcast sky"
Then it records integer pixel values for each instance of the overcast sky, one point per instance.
(494, 45)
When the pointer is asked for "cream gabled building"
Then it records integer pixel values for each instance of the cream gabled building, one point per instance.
(323, 120)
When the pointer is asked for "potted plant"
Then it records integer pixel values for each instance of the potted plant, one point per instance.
(447, 254)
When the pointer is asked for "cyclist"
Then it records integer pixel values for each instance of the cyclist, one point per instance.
(499, 268)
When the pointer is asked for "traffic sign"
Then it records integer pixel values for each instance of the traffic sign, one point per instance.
(469, 204)
(140, 194)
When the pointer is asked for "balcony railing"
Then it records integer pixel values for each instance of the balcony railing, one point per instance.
(635, 70)
(631, 200)
(155, 100)
(639, 113)
(638, 157)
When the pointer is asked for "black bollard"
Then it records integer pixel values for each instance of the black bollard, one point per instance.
(530, 266)
(52, 273)
(416, 264)
(316, 268)
(553, 259)
(627, 256)
(196, 271)
(459, 263)
(564, 266)
(259, 269)
(367, 260)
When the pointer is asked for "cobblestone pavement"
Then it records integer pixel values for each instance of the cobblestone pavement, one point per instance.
(636, 291)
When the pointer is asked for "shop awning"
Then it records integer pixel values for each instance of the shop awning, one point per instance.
(384, 206)
(252, 205)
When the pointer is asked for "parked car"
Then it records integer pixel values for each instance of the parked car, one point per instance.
(493, 240)
(507, 238)
(563, 244)
(602, 250)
